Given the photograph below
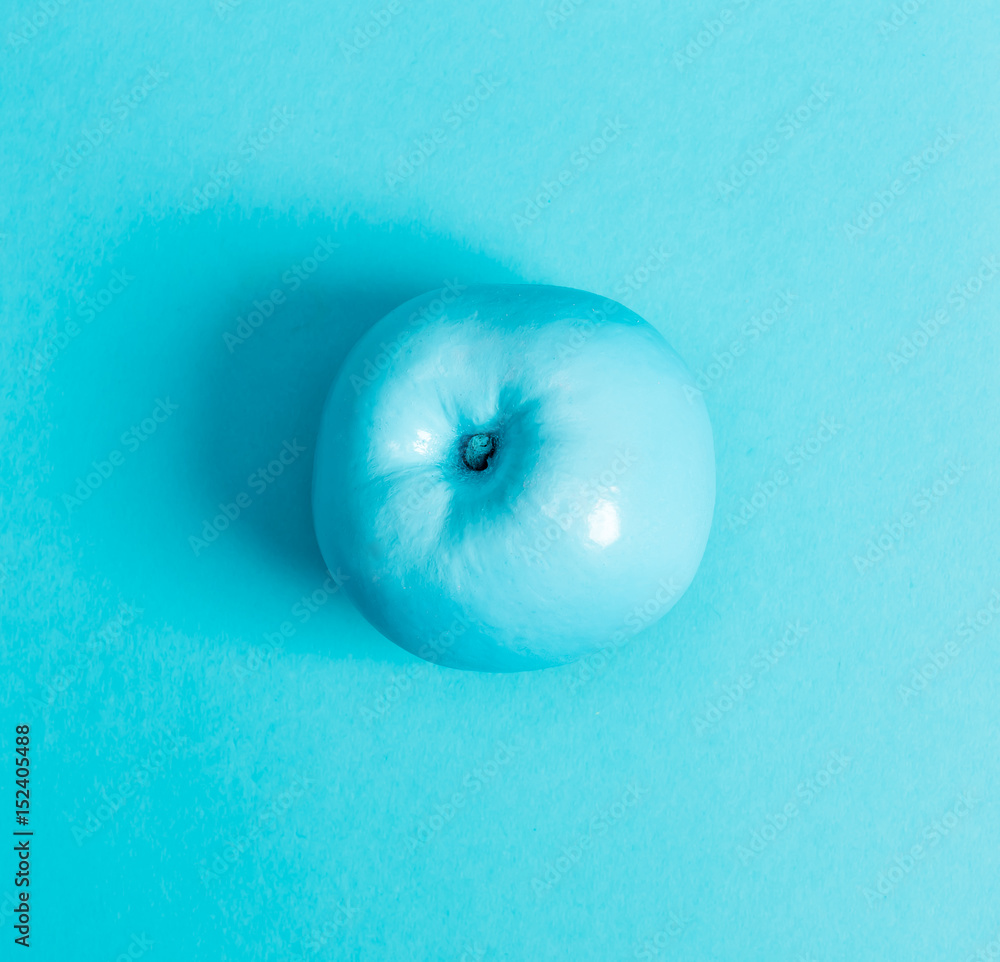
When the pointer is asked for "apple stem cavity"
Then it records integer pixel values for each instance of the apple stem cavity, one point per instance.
(478, 449)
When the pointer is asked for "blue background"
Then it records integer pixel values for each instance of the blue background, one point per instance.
(225, 796)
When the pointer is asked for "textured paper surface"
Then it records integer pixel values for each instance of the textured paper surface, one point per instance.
(746, 780)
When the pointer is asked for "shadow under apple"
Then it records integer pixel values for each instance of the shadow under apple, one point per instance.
(184, 413)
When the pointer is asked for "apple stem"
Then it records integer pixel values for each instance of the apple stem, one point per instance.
(478, 450)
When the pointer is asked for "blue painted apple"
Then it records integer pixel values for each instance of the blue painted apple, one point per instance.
(509, 473)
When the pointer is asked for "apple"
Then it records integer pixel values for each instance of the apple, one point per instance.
(511, 475)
